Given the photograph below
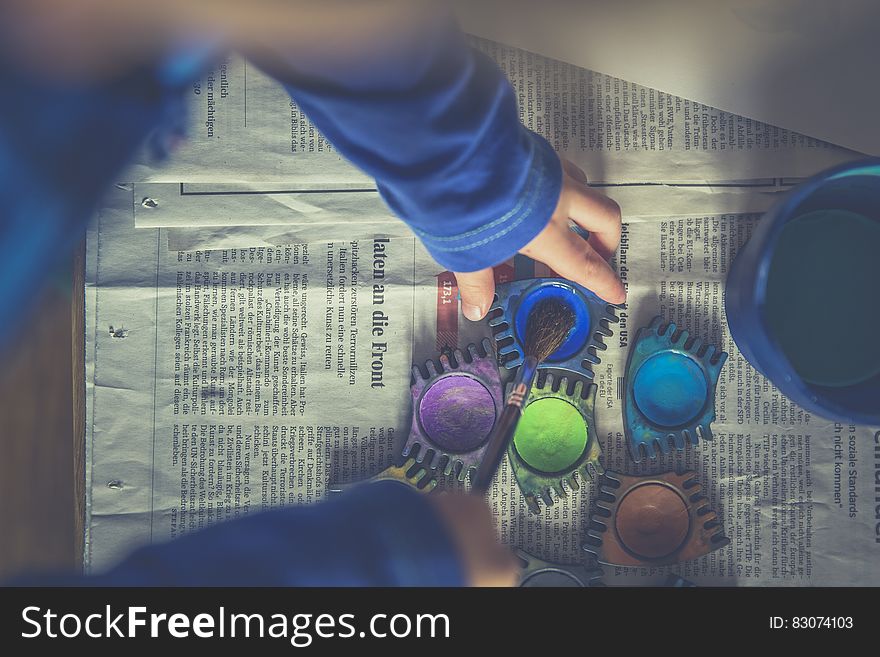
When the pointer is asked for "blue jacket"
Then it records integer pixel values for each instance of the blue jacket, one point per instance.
(435, 124)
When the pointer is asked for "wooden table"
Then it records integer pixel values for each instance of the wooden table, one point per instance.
(42, 425)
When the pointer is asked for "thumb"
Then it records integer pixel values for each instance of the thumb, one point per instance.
(477, 290)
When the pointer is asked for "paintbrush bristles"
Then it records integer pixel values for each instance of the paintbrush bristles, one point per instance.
(548, 326)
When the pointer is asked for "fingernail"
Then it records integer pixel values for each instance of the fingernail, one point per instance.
(472, 311)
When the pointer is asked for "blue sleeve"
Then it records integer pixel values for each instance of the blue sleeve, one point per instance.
(433, 121)
(438, 127)
(381, 534)
(61, 146)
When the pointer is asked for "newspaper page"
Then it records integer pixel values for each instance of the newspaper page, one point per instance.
(797, 64)
(244, 128)
(224, 380)
(263, 209)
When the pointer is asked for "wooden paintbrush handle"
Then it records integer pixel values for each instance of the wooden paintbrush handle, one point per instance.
(498, 440)
(504, 429)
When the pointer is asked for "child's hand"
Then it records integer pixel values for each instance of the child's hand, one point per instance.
(560, 248)
(469, 520)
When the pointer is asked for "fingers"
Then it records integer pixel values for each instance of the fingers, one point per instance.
(575, 259)
(591, 210)
(574, 171)
(584, 262)
(477, 290)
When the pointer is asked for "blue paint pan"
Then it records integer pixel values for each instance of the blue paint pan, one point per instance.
(593, 318)
(669, 396)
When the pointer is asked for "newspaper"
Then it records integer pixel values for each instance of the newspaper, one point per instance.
(796, 64)
(223, 381)
(257, 210)
(244, 128)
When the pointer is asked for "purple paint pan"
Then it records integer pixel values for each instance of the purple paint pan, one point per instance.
(455, 402)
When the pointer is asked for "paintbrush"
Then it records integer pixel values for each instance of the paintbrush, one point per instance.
(547, 327)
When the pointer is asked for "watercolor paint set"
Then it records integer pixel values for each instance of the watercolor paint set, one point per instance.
(457, 398)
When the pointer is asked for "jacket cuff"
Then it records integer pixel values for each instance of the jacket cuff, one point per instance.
(502, 237)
